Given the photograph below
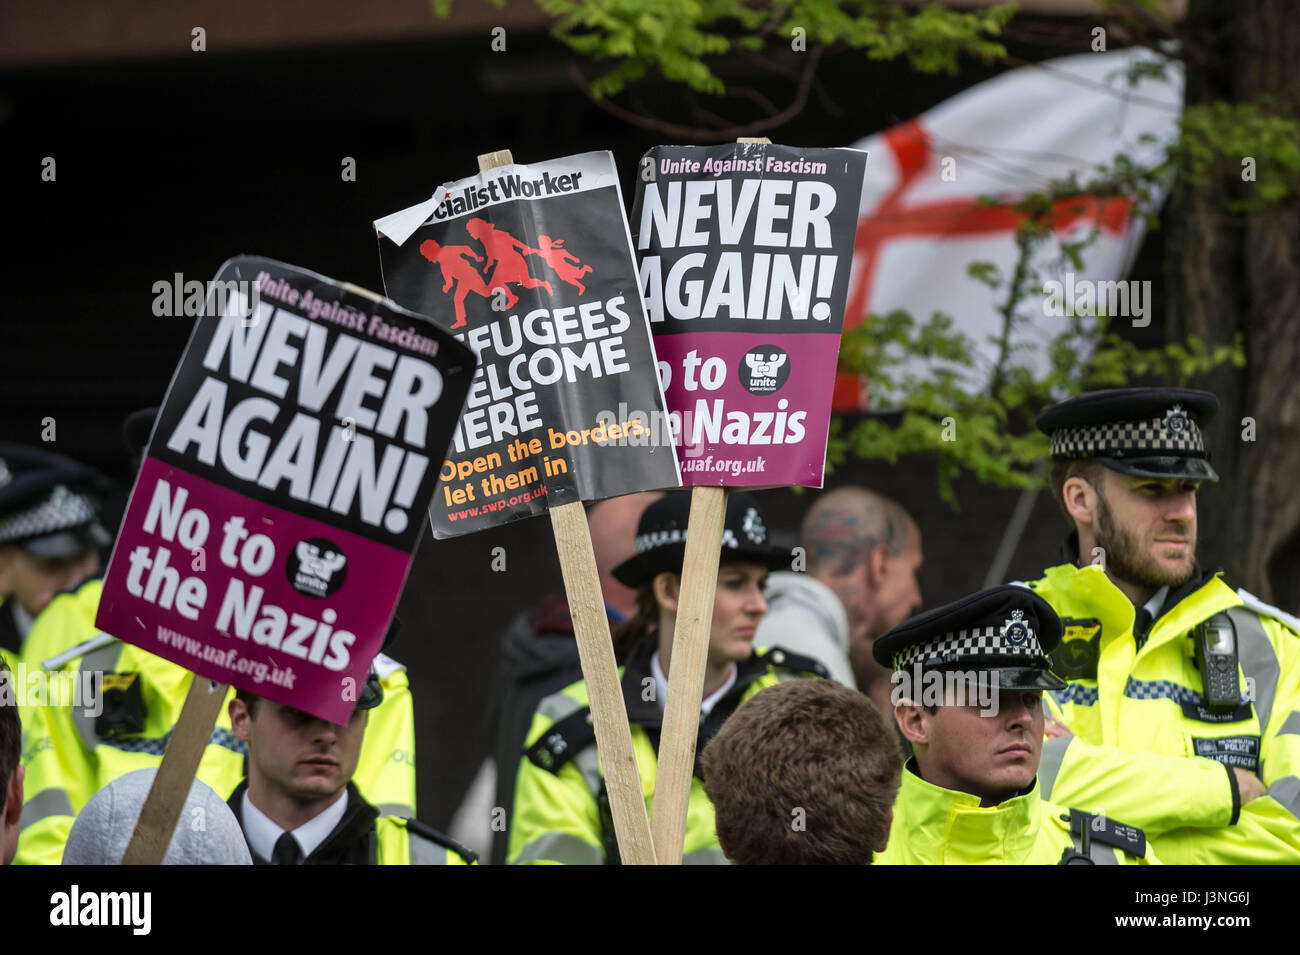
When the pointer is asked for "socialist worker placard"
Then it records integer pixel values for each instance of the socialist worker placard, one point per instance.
(745, 251)
(532, 267)
(283, 492)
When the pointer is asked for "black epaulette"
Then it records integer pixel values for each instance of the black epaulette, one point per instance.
(563, 741)
(1109, 832)
(795, 662)
(442, 839)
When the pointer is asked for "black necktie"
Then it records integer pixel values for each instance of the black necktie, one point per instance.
(287, 851)
(1141, 626)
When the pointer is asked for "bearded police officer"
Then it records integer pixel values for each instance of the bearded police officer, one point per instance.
(1182, 712)
(969, 680)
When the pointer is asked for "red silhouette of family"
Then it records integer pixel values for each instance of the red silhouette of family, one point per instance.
(500, 265)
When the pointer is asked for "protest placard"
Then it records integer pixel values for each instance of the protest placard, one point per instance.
(745, 251)
(272, 523)
(532, 267)
(557, 323)
(744, 266)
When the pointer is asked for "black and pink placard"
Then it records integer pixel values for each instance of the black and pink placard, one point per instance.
(283, 492)
(532, 267)
(744, 254)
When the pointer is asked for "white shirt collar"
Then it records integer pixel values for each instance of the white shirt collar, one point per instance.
(262, 832)
(707, 704)
(1157, 601)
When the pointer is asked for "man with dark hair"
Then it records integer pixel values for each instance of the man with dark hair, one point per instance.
(969, 683)
(299, 806)
(11, 773)
(1170, 670)
(803, 774)
(863, 551)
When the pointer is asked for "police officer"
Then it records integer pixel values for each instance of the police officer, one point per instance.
(73, 751)
(50, 535)
(561, 808)
(1183, 703)
(299, 806)
(969, 680)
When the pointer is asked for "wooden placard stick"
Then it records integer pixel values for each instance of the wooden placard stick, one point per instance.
(686, 672)
(599, 668)
(687, 664)
(171, 786)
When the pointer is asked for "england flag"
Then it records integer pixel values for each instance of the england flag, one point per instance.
(922, 221)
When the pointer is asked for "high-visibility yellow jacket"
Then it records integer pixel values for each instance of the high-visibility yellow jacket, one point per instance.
(561, 809)
(937, 826)
(1146, 747)
(68, 760)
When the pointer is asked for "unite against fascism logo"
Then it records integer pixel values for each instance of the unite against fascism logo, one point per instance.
(501, 264)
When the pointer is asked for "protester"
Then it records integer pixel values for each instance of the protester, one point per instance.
(970, 677)
(205, 834)
(1170, 669)
(804, 773)
(50, 535)
(299, 806)
(561, 812)
(863, 551)
(11, 773)
(77, 756)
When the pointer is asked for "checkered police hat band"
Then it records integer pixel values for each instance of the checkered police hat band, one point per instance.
(1174, 432)
(645, 542)
(60, 511)
(977, 641)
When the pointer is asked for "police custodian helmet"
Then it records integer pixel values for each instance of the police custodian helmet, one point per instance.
(660, 543)
(1007, 630)
(1145, 432)
(49, 504)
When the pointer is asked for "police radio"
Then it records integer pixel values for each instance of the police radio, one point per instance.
(1216, 655)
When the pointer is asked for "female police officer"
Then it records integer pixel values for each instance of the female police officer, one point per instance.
(561, 809)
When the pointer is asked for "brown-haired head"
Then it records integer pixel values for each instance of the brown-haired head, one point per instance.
(804, 773)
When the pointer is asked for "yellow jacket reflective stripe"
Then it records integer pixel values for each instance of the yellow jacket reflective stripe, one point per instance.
(68, 761)
(1144, 738)
(558, 817)
(936, 826)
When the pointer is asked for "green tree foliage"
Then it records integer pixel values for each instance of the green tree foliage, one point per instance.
(971, 420)
(677, 37)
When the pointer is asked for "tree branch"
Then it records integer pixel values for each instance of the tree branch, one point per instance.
(678, 130)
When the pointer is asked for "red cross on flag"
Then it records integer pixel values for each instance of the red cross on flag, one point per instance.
(922, 222)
